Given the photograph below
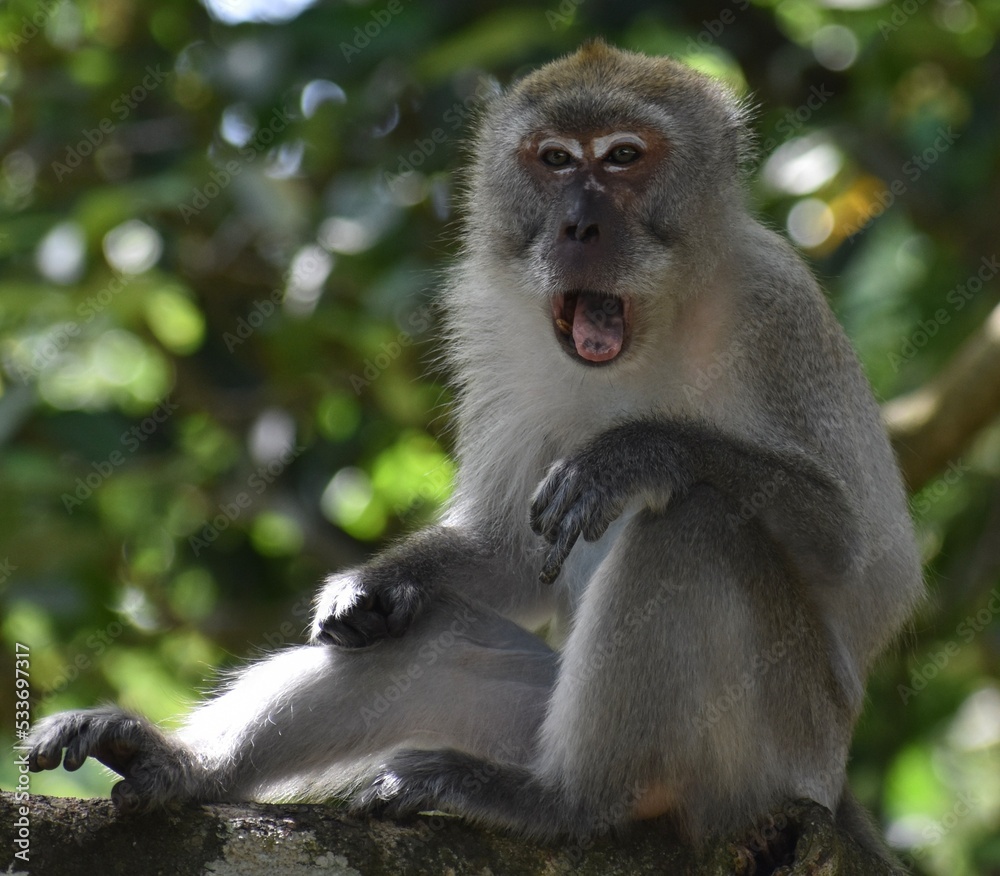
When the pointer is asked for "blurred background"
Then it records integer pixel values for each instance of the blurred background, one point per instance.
(221, 232)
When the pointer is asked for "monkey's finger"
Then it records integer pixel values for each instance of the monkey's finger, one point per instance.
(125, 798)
(541, 523)
(46, 756)
(400, 605)
(377, 797)
(539, 504)
(116, 754)
(350, 632)
(76, 753)
(557, 554)
(546, 493)
(398, 621)
(534, 516)
(599, 512)
(553, 519)
(596, 526)
(50, 737)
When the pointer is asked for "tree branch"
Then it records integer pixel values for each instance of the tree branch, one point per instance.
(934, 424)
(83, 837)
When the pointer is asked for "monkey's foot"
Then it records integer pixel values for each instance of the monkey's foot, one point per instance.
(359, 608)
(410, 782)
(153, 770)
(801, 837)
(770, 847)
(489, 792)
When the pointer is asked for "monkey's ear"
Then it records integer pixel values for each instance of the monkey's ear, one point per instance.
(736, 116)
(743, 131)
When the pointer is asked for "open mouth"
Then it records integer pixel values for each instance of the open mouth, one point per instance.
(592, 326)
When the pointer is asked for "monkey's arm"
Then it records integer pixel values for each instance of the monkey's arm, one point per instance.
(800, 503)
(383, 597)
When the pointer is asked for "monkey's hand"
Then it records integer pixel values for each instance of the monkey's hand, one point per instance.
(586, 493)
(154, 770)
(357, 608)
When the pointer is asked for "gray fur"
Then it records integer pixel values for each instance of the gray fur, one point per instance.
(746, 551)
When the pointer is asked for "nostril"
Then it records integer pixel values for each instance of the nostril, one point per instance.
(582, 233)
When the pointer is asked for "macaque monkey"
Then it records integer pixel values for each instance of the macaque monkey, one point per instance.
(667, 452)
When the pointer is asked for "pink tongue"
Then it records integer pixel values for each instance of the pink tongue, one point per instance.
(598, 327)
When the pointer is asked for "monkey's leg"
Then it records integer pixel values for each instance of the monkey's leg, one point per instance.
(674, 695)
(309, 722)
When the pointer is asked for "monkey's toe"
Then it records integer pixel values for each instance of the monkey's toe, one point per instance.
(45, 759)
(389, 795)
(351, 631)
(125, 798)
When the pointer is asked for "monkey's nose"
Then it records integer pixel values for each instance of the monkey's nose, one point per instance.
(582, 231)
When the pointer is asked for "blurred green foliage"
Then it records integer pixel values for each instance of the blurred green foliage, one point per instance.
(221, 239)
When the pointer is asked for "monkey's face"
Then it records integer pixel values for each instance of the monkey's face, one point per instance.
(594, 181)
(591, 182)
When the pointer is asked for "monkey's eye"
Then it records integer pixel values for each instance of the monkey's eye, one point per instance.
(624, 154)
(556, 157)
